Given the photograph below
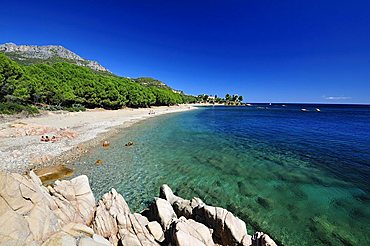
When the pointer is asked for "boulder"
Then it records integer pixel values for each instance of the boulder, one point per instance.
(78, 193)
(42, 222)
(262, 239)
(185, 207)
(11, 193)
(100, 239)
(78, 230)
(228, 229)
(88, 241)
(156, 230)
(13, 227)
(166, 193)
(33, 213)
(132, 232)
(60, 239)
(109, 207)
(161, 211)
(181, 206)
(185, 232)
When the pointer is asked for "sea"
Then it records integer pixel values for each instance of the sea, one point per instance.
(302, 176)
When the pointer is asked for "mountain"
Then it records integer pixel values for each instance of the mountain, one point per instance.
(33, 54)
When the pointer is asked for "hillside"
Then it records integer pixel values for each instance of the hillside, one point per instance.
(67, 85)
(148, 82)
(33, 54)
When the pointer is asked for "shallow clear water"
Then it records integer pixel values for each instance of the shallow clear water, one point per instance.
(302, 177)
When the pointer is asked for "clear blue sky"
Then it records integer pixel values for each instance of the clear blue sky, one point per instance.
(268, 51)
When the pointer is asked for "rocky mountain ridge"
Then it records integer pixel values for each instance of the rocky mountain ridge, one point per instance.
(29, 54)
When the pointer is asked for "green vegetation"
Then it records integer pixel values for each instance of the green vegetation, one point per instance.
(228, 100)
(13, 108)
(63, 85)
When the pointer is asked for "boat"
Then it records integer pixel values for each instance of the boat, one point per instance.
(318, 110)
(304, 110)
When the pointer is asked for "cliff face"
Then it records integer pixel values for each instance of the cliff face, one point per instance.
(29, 54)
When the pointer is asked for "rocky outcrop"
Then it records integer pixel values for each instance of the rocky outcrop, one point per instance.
(228, 229)
(156, 230)
(66, 214)
(161, 211)
(47, 52)
(189, 232)
(31, 213)
(262, 239)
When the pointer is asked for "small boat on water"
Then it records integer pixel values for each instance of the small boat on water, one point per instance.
(318, 110)
(304, 110)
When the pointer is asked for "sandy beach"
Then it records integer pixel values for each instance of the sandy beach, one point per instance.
(75, 132)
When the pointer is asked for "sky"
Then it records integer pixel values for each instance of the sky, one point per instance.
(266, 50)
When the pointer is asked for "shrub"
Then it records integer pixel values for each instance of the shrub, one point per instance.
(13, 108)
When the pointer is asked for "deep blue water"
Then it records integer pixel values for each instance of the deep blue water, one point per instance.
(303, 177)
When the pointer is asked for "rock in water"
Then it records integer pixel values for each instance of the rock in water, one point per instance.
(31, 214)
(262, 239)
(185, 232)
(161, 211)
(156, 230)
(228, 229)
(105, 221)
(181, 206)
(133, 232)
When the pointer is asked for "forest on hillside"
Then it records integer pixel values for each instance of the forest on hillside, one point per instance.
(68, 86)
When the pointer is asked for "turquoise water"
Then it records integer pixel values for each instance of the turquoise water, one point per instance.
(302, 177)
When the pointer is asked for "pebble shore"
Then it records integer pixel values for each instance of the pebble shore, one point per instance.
(76, 132)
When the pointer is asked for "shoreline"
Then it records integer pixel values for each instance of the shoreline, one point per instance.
(77, 132)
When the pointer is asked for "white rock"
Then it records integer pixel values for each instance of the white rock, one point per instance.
(156, 230)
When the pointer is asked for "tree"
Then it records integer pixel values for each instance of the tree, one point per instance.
(235, 98)
(227, 97)
(64, 84)
(205, 98)
(240, 98)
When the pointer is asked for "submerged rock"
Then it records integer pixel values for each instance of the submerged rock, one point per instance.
(129, 144)
(106, 144)
(52, 173)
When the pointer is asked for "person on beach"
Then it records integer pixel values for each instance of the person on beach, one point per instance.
(47, 139)
(42, 138)
(53, 139)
